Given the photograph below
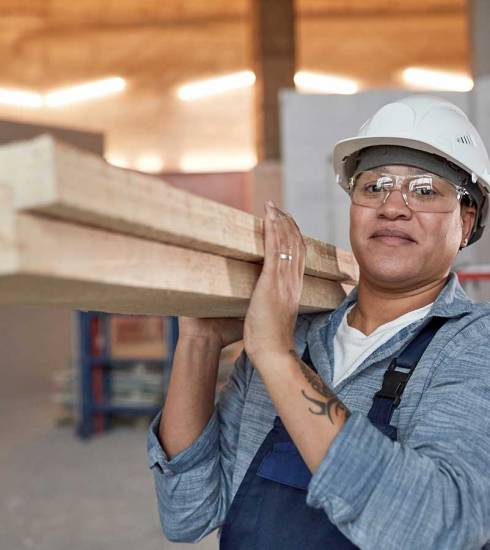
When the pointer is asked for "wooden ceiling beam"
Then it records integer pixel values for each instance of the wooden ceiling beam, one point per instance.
(378, 14)
(274, 63)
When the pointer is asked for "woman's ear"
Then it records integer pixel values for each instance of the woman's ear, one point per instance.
(468, 216)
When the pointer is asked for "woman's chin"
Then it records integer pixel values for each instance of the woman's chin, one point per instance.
(389, 271)
(389, 264)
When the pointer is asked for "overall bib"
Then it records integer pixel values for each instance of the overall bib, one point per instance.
(269, 510)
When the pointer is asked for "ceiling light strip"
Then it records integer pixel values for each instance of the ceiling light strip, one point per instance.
(308, 81)
(428, 79)
(213, 86)
(84, 92)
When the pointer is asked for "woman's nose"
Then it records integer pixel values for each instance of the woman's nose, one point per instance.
(395, 204)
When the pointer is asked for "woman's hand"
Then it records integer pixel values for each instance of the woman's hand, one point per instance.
(273, 309)
(222, 330)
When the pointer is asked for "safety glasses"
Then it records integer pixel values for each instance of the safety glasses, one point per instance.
(421, 192)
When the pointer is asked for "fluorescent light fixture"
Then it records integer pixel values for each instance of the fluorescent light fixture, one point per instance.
(83, 92)
(20, 98)
(436, 80)
(212, 162)
(213, 86)
(307, 81)
(153, 164)
(117, 160)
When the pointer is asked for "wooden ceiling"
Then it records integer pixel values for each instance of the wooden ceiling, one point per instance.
(157, 45)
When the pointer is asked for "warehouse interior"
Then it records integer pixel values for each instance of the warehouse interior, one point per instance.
(301, 75)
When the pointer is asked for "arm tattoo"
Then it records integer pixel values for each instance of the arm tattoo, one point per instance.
(332, 402)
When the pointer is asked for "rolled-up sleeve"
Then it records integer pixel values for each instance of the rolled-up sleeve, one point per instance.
(431, 490)
(200, 450)
(194, 488)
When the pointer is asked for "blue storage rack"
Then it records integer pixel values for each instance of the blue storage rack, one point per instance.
(95, 365)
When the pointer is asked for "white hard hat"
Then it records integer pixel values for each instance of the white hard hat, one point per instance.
(424, 123)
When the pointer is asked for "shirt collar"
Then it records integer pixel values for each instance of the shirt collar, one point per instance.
(451, 301)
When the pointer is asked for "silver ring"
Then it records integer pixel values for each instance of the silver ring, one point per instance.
(283, 256)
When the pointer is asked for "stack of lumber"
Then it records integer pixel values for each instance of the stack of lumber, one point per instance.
(76, 232)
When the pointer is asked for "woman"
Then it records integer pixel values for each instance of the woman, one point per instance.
(326, 435)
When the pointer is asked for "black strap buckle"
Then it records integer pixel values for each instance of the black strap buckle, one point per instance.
(394, 383)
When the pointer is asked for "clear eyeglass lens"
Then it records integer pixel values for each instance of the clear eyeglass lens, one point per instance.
(423, 192)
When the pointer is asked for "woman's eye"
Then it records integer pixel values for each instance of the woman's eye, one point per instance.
(423, 187)
(424, 190)
(373, 187)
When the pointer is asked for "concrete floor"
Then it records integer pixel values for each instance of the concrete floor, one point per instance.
(60, 493)
(57, 492)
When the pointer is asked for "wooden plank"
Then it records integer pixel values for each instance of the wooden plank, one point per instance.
(58, 180)
(51, 262)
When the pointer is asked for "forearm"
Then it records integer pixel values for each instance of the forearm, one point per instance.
(200, 473)
(309, 409)
(191, 393)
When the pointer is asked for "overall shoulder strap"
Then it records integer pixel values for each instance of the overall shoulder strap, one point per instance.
(399, 371)
(307, 359)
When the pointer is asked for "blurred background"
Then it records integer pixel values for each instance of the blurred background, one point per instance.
(236, 100)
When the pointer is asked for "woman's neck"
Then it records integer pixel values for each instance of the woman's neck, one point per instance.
(376, 306)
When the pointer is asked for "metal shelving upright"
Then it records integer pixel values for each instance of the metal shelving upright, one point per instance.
(96, 364)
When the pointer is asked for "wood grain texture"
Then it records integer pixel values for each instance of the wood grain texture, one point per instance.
(52, 262)
(60, 181)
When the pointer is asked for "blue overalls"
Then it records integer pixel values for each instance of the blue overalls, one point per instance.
(269, 510)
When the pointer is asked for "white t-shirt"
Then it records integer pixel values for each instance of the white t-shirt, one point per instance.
(351, 346)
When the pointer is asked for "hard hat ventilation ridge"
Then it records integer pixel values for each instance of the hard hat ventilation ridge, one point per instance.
(468, 140)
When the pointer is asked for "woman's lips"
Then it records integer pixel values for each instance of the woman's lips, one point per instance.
(392, 237)
(393, 241)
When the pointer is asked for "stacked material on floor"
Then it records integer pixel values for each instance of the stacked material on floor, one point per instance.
(78, 233)
(65, 394)
(139, 385)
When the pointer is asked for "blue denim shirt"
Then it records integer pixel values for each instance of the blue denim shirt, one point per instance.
(429, 489)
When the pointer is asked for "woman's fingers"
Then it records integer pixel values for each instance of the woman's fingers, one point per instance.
(270, 237)
(283, 236)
